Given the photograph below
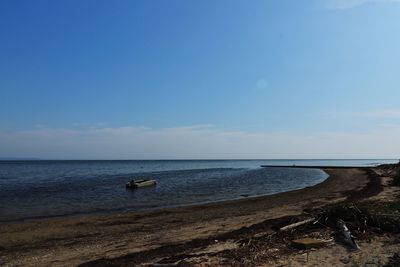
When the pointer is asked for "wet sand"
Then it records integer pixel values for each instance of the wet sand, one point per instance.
(139, 237)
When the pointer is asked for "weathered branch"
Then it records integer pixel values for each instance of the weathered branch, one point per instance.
(294, 225)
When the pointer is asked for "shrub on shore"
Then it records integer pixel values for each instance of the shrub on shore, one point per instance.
(392, 170)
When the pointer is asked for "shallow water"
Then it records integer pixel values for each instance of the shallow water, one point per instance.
(32, 189)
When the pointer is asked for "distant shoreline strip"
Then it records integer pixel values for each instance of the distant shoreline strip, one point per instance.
(316, 167)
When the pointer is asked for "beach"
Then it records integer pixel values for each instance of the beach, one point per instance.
(141, 237)
(200, 133)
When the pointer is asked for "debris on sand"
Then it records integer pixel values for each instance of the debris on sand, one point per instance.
(348, 237)
(283, 239)
(394, 261)
(307, 243)
(294, 225)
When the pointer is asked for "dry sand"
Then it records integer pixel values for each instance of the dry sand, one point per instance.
(141, 237)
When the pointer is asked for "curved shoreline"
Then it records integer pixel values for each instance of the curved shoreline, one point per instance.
(122, 210)
(80, 239)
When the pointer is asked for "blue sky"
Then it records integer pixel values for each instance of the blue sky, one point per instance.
(200, 79)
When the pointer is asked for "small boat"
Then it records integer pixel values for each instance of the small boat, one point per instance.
(133, 184)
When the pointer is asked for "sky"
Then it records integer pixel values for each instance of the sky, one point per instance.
(186, 79)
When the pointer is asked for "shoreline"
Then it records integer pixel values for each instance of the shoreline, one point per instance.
(155, 209)
(316, 167)
(86, 238)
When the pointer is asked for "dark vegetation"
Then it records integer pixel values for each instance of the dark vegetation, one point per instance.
(394, 261)
(392, 170)
(396, 179)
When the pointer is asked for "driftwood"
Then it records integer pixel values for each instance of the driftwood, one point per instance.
(294, 225)
(307, 243)
(348, 237)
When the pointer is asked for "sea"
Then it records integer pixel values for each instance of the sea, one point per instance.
(34, 189)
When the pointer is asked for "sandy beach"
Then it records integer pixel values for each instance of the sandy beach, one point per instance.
(200, 133)
(146, 236)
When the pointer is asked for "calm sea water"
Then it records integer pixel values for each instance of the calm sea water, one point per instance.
(35, 189)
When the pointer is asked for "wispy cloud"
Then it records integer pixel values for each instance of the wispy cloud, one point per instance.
(380, 114)
(346, 4)
(195, 142)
